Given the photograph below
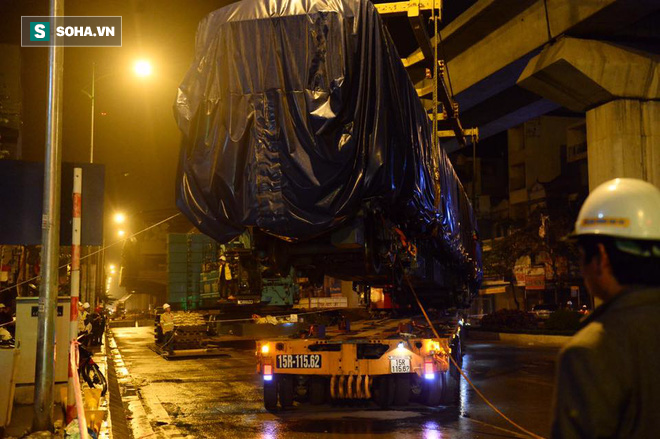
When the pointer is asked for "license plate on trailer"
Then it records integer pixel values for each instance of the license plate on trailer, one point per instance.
(299, 361)
(400, 365)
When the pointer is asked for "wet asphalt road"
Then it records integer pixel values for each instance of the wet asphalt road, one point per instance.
(221, 397)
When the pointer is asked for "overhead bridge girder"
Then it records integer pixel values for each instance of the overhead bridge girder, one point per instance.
(442, 106)
(403, 8)
(468, 132)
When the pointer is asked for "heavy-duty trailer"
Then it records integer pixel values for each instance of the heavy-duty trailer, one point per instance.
(389, 361)
(305, 129)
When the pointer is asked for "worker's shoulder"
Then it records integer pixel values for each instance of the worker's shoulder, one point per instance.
(629, 317)
(632, 311)
(590, 337)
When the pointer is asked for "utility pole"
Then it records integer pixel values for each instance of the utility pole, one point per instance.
(91, 286)
(75, 284)
(92, 96)
(50, 239)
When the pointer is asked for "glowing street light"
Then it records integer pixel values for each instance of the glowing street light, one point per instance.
(119, 218)
(143, 68)
(121, 233)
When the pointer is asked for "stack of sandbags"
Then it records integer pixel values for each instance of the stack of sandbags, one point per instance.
(191, 329)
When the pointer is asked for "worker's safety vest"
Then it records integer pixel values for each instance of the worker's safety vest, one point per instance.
(227, 271)
(82, 316)
(167, 322)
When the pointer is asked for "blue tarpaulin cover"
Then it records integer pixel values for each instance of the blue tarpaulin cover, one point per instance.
(294, 112)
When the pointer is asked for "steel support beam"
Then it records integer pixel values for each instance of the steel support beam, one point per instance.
(419, 30)
(402, 8)
(449, 113)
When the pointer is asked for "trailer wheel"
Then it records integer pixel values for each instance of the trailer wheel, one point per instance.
(286, 391)
(317, 390)
(402, 390)
(451, 389)
(384, 391)
(457, 355)
(432, 390)
(270, 394)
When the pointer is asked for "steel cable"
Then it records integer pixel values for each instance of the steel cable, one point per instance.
(97, 251)
(481, 395)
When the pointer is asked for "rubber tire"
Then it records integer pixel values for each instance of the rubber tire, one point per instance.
(457, 355)
(94, 377)
(432, 391)
(402, 390)
(317, 386)
(384, 391)
(286, 391)
(451, 390)
(270, 394)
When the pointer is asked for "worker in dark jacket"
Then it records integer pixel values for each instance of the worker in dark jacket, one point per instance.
(608, 376)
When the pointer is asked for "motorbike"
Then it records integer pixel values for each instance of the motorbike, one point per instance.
(88, 370)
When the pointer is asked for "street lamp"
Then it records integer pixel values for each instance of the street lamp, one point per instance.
(143, 68)
(119, 218)
(121, 233)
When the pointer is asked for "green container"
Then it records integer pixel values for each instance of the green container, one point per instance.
(185, 257)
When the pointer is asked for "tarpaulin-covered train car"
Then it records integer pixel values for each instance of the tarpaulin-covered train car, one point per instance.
(301, 126)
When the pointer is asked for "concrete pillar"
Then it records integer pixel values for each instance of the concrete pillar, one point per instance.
(623, 140)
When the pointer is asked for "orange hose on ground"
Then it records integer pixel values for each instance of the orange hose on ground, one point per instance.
(481, 395)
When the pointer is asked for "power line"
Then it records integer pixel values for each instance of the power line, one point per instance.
(97, 251)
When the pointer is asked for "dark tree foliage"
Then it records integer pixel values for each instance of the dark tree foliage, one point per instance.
(542, 233)
(509, 319)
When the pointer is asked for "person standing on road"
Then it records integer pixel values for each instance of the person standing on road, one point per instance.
(83, 318)
(84, 324)
(98, 326)
(608, 375)
(167, 326)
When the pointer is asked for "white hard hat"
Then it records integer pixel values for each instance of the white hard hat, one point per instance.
(166, 305)
(86, 305)
(623, 208)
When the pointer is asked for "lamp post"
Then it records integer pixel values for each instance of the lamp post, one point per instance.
(142, 68)
(92, 96)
